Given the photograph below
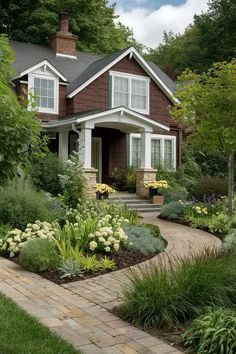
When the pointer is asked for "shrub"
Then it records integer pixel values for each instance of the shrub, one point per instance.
(38, 255)
(219, 224)
(141, 239)
(69, 268)
(172, 211)
(20, 204)
(229, 244)
(16, 239)
(175, 194)
(213, 332)
(45, 173)
(4, 229)
(73, 181)
(207, 186)
(165, 296)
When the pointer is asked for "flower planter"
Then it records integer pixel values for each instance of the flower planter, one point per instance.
(153, 191)
(158, 199)
(102, 196)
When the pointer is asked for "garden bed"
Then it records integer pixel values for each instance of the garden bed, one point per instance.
(123, 259)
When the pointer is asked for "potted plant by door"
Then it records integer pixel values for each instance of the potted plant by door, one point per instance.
(131, 179)
(155, 188)
(103, 190)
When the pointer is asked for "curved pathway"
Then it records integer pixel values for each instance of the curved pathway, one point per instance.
(79, 311)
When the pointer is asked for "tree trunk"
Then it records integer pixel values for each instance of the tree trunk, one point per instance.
(230, 183)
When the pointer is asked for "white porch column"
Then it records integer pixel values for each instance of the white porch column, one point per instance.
(63, 145)
(146, 149)
(86, 147)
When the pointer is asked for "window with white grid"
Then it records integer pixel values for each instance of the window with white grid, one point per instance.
(44, 92)
(156, 153)
(130, 91)
(163, 151)
(136, 152)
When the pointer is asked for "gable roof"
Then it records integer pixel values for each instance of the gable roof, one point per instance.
(86, 68)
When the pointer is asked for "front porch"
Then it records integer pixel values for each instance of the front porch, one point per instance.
(103, 142)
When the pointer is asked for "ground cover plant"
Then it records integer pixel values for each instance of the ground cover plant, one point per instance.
(29, 335)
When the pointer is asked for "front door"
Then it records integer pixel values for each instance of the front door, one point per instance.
(97, 157)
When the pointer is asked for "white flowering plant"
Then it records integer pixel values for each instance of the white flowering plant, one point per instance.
(16, 239)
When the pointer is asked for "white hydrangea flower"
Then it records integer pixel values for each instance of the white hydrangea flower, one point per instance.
(93, 245)
(107, 249)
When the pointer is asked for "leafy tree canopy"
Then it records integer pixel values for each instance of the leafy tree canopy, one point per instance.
(208, 107)
(211, 38)
(35, 21)
(19, 133)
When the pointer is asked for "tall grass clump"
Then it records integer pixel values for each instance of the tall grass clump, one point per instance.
(163, 297)
(21, 204)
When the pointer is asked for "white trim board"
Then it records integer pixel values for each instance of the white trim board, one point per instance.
(44, 63)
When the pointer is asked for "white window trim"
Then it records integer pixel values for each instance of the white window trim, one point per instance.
(114, 74)
(162, 138)
(31, 78)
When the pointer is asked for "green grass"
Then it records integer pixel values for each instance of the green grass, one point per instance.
(22, 334)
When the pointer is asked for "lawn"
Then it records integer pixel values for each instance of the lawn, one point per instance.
(22, 334)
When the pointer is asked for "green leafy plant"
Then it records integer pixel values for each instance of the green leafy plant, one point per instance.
(107, 263)
(163, 297)
(73, 180)
(213, 332)
(89, 263)
(45, 173)
(69, 268)
(4, 229)
(39, 255)
(20, 204)
(142, 239)
(172, 210)
(219, 224)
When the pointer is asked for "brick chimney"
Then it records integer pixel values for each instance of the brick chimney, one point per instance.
(63, 41)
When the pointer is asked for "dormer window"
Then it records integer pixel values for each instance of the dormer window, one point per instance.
(130, 91)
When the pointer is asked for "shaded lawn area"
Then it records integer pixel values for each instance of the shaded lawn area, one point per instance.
(22, 334)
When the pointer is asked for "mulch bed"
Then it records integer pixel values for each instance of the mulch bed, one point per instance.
(123, 259)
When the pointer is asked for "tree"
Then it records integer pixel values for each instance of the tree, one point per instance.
(19, 128)
(35, 21)
(208, 108)
(211, 38)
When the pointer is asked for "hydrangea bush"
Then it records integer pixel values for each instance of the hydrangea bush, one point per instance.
(16, 239)
(107, 233)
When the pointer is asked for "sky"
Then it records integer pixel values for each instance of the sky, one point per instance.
(150, 18)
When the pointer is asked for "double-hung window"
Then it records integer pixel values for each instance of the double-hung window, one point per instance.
(45, 91)
(130, 91)
(163, 151)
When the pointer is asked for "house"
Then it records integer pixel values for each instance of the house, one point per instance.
(116, 106)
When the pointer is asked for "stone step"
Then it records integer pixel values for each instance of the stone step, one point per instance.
(135, 202)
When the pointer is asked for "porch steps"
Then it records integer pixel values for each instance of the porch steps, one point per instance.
(135, 202)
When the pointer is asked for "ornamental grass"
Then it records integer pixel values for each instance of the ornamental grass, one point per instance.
(164, 297)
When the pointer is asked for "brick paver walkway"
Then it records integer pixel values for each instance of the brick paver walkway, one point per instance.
(78, 311)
